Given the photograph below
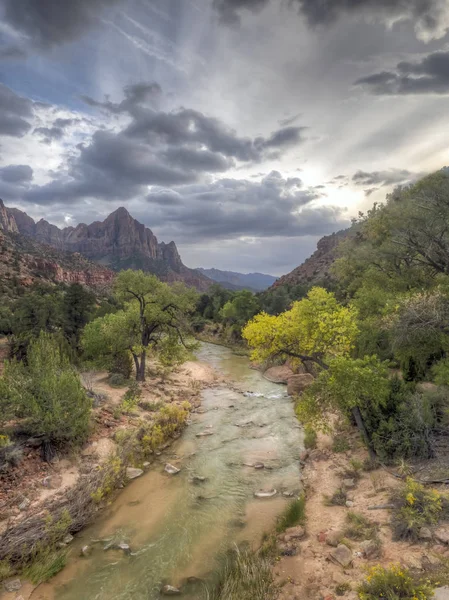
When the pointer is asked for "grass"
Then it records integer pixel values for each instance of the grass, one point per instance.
(6, 569)
(151, 406)
(246, 575)
(359, 527)
(294, 514)
(45, 566)
(340, 444)
(310, 438)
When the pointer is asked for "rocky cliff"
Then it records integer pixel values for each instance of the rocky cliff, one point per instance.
(119, 242)
(7, 221)
(315, 269)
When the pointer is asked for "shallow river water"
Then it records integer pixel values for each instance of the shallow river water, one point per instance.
(177, 529)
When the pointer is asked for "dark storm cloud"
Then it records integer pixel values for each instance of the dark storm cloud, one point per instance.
(49, 133)
(287, 136)
(429, 76)
(428, 16)
(135, 94)
(14, 181)
(384, 178)
(16, 174)
(14, 112)
(47, 23)
(12, 53)
(229, 208)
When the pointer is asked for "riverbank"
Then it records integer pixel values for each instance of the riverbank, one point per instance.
(42, 502)
(344, 535)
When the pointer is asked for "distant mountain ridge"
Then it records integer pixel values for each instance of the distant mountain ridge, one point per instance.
(118, 242)
(252, 281)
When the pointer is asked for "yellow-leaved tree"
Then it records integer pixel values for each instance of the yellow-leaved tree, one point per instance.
(316, 329)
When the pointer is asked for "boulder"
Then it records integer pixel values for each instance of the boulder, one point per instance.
(125, 547)
(278, 374)
(425, 533)
(265, 493)
(12, 585)
(86, 551)
(287, 549)
(198, 479)
(333, 538)
(341, 555)
(259, 465)
(348, 483)
(349, 503)
(296, 384)
(294, 533)
(370, 549)
(171, 469)
(68, 539)
(24, 505)
(132, 473)
(170, 590)
(442, 535)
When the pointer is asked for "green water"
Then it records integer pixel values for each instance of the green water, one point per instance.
(177, 529)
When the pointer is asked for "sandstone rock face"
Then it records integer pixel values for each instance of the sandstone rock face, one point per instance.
(316, 268)
(7, 221)
(278, 374)
(296, 384)
(119, 242)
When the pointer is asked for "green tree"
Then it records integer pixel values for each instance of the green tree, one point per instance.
(348, 386)
(47, 394)
(76, 307)
(153, 311)
(315, 329)
(238, 311)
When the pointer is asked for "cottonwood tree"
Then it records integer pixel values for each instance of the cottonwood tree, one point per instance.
(155, 314)
(319, 329)
(315, 329)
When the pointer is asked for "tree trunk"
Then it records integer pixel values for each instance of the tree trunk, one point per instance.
(361, 426)
(140, 371)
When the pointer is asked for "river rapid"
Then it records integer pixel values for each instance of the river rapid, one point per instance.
(177, 528)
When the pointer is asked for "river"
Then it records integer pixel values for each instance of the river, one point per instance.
(177, 529)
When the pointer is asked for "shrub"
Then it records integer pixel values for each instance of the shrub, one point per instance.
(359, 527)
(131, 397)
(393, 583)
(293, 515)
(151, 406)
(48, 394)
(342, 588)
(310, 438)
(117, 380)
(340, 444)
(415, 507)
(338, 498)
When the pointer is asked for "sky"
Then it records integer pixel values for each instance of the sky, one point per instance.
(244, 130)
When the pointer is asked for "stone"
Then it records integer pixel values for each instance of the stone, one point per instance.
(349, 503)
(370, 549)
(125, 547)
(278, 374)
(341, 555)
(86, 551)
(296, 384)
(198, 479)
(294, 533)
(12, 585)
(68, 539)
(170, 590)
(265, 493)
(425, 533)
(442, 535)
(333, 538)
(171, 469)
(204, 433)
(52, 482)
(348, 483)
(259, 465)
(441, 593)
(286, 549)
(146, 464)
(24, 505)
(132, 473)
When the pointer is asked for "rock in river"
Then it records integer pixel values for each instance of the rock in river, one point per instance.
(204, 433)
(170, 590)
(265, 493)
(171, 469)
